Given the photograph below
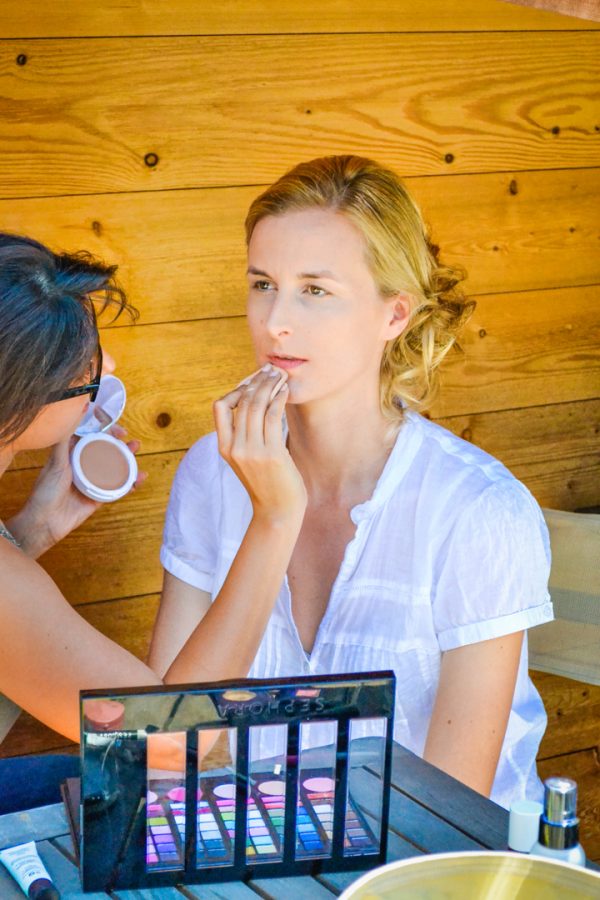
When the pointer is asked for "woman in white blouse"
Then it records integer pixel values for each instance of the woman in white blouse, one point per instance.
(352, 534)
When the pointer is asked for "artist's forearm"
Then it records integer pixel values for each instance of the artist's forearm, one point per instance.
(33, 537)
(225, 642)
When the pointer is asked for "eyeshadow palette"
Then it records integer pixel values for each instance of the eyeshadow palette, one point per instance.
(215, 822)
(267, 780)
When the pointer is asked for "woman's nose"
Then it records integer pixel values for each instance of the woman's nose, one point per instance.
(279, 319)
(108, 363)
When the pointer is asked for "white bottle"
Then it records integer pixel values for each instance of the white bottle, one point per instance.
(559, 825)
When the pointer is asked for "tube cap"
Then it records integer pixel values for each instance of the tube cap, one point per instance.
(523, 825)
(42, 889)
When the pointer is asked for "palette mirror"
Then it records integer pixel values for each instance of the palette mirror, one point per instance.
(231, 781)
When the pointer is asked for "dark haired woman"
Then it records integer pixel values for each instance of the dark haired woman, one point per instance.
(50, 362)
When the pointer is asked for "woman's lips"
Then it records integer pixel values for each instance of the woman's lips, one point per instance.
(286, 362)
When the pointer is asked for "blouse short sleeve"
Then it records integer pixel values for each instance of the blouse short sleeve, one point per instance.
(189, 549)
(493, 577)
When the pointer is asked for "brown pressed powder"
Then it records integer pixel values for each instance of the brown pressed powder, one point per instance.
(104, 465)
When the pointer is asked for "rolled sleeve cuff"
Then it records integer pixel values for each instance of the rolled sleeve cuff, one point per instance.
(183, 570)
(493, 628)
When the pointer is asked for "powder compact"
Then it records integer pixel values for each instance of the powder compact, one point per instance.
(104, 468)
(272, 778)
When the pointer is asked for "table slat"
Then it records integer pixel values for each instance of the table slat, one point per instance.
(297, 887)
(424, 828)
(64, 874)
(228, 890)
(33, 825)
(449, 799)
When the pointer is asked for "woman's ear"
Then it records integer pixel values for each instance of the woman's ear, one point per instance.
(399, 307)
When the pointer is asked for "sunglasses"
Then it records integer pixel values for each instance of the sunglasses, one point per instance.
(91, 388)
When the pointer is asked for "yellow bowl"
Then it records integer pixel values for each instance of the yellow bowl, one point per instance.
(476, 876)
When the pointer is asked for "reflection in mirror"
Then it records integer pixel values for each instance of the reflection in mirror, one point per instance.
(165, 802)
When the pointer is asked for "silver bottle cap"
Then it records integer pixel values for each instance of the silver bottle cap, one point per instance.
(560, 800)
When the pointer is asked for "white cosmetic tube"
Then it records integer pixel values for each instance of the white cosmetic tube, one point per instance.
(26, 867)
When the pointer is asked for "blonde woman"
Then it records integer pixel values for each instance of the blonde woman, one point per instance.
(351, 533)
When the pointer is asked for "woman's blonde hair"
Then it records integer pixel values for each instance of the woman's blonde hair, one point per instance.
(400, 255)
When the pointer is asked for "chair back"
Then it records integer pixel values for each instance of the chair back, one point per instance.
(570, 645)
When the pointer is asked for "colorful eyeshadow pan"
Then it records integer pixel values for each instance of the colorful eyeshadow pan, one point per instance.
(165, 833)
(315, 822)
(265, 823)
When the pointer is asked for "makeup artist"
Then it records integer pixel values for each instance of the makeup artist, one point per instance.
(50, 366)
(378, 539)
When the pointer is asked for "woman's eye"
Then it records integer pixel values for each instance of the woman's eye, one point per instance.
(315, 291)
(262, 285)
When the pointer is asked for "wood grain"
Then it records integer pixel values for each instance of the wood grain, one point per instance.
(573, 709)
(553, 449)
(526, 349)
(584, 9)
(29, 736)
(182, 253)
(84, 18)
(81, 116)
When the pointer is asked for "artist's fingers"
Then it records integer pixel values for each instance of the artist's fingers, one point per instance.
(141, 478)
(117, 431)
(274, 416)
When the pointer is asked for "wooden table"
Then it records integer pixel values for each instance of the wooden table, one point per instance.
(429, 813)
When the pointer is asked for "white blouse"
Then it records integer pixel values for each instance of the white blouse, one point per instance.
(451, 549)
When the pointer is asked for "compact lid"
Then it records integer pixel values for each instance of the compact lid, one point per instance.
(107, 407)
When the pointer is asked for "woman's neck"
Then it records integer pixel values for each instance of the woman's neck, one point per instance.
(340, 456)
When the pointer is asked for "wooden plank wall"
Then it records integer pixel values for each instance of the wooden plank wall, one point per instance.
(141, 132)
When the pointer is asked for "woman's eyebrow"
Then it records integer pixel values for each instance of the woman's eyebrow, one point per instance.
(252, 270)
(324, 274)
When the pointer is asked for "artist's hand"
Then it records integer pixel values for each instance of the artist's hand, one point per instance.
(167, 750)
(250, 434)
(55, 506)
